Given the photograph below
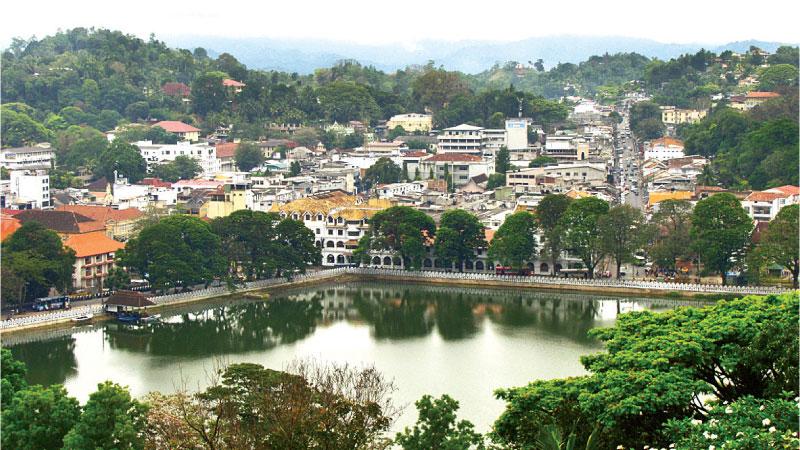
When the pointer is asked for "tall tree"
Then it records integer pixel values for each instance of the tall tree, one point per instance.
(503, 162)
(671, 239)
(12, 376)
(208, 93)
(34, 260)
(402, 231)
(183, 167)
(720, 231)
(248, 156)
(459, 235)
(178, 250)
(514, 243)
(780, 242)
(125, 159)
(548, 215)
(39, 418)
(297, 250)
(437, 427)
(249, 243)
(110, 419)
(582, 236)
(384, 171)
(622, 232)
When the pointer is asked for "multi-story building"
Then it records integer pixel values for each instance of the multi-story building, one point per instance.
(671, 115)
(459, 167)
(184, 131)
(29, 189)
(156, 154)
(120, 223)
(763, 206)
(517, 134)
(558, 177)
(493, 139)
(24, 158)
(462, 139)
(663, 149)
(411, 122)
(756, 98)
(566, 147)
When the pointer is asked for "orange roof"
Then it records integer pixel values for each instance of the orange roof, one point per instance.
(226, 150)
(415, 154)
(760, 94)
(786, 189)
(232, 83)
(90, 244)
(763, 196)
(666, 141)
(660, 196)
(8, 225)
(173, 126)
(102, 213)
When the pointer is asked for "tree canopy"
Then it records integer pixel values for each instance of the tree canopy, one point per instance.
(514, 243)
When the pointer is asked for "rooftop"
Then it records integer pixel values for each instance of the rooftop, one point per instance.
(102, 213)
(173, 126)
(226, 150)
(66, 222)
(90, 244)
(454, 157)
(762, 94)
(232, 83)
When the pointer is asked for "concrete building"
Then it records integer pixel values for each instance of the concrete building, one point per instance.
(460, 167)
(493, 139)
(30, 188)
(24, 158)
(560, 177)
(663, 149)
(671, 115)
(756, 98)
(463, 139)
(155, 154)
(184, 131)
(412, 122)
(517, 134)
(566, 147)
(763, 206)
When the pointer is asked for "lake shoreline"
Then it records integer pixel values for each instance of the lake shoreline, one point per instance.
(410, 277)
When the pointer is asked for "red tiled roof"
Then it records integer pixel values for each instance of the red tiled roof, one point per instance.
(90, 244)
(786, 189)
(175, 89)
(226, 150)
(454, 157)
(763, 196)
(666, 141)
(760, 94)
(173, 126)
(11, 212)
(61, 221)
(102, 213)
(155, 182)
(232, 83)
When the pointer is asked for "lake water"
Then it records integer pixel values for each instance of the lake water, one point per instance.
(466, 342)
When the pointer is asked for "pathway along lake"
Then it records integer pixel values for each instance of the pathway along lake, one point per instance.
(466, 342)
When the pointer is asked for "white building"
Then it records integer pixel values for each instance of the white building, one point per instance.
(763, 206)
(30, 188)
(566, 147)
(492, 141)
(156, 154)
(459, 167)
(464, 138)
(564, 176)
(23, 158)
(395, 189)
(517, 134)
(663, 149)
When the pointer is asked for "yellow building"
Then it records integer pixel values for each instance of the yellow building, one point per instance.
(411, 122)
(674, 116)
(660, 196)
(227, 199)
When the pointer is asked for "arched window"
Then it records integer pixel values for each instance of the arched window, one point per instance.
(427, 262)
(387, 261)
(490, 266)
(340, 259)
(479, 265)
(396, 261)
(330, 259)
(329, 244)
(437, 263)
(530, 266)
(468, 264)
(340, 244)
(376, 261)
(544, 268)
(318, 244)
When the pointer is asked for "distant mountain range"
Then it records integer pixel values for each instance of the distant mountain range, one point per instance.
(303, 56)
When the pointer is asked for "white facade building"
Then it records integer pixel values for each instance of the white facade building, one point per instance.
(156, 154)
(663, 149)
(517, 134)
(763, 206)
(30, 187)
(461, 139)
(22, 158)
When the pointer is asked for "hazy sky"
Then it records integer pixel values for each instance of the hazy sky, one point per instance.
(380, 21)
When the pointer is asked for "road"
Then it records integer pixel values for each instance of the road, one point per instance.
(628, 166)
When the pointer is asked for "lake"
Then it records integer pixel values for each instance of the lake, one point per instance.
(466, 342)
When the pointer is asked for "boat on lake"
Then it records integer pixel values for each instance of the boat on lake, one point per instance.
(150, 319)
(83, 319)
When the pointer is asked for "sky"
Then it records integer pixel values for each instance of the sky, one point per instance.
(408, 21)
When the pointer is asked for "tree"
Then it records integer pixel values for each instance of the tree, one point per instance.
(297, 250)
(720, 231)
(437, 427)
(402, 231)
(548, 216)
(459, 235)
(384, 171)
(248, 156)
(395, 132)
(503, 162)
(671, 239)
(117, 278)
(179, 250)
(343, 101)
(779, 243)
(208, 93)
(295, 168)
(123, 158)
(657, 367)
(39, 418)
(539, 65)
(436, 88)
(110, 419)
(19, 129)
(542, 161)
(183, 167)
(495, 181)
(779, 75)
(34, 261)
(248, 406)
(137, 111)
(514, 243)
(646, 120)
(582, 235)
(622, 232)
(12, 376)
(249, 243)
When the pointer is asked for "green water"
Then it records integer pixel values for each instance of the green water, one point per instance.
(462, 341)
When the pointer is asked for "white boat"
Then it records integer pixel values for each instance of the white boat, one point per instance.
(150, 319)
(83, 319)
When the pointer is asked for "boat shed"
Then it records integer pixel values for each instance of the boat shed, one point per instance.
(126, 301)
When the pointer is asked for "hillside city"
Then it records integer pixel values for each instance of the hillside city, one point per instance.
(132, 171)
